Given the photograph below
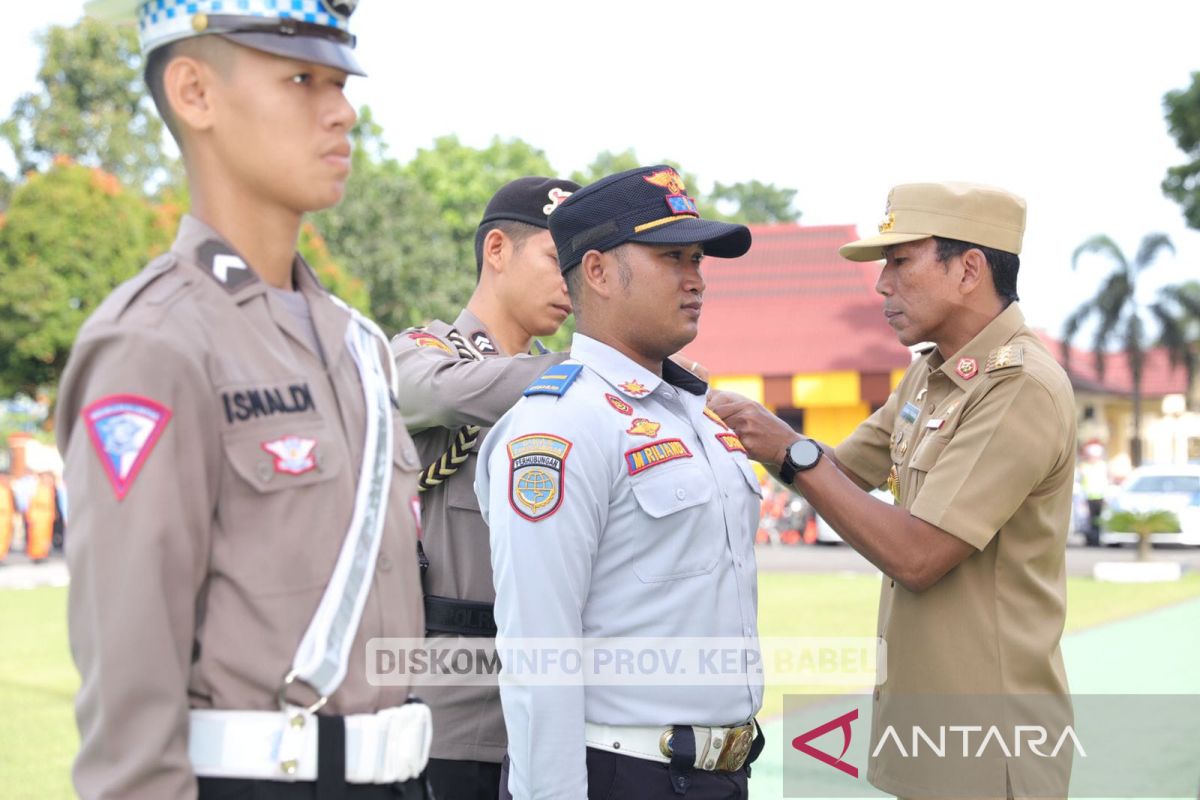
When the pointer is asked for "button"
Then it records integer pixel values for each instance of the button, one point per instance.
(385, 564)
(264, 471)
(680, 494)
(616, 745)
(717, 742)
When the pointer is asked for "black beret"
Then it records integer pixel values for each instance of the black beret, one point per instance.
(529, 200)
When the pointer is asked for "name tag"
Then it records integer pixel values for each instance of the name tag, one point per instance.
(934, 424)
(910, 412)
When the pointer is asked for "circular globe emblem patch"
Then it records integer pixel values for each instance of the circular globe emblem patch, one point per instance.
(536, 478)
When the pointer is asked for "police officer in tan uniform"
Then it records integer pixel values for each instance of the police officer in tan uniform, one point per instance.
(242, 485)
(977, 445)
(455, 382)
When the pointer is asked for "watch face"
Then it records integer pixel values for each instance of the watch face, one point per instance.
(804, 453)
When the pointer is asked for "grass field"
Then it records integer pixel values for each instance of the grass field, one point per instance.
(38, 680)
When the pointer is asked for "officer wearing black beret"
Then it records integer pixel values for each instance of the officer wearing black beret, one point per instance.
(455, 382)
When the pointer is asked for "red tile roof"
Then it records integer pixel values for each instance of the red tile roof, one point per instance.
(793, 305)
(1158, 376)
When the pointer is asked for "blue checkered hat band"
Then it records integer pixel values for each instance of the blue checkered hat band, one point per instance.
(164, 21)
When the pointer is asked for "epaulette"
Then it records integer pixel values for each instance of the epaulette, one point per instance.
(555, 380)
(1005, 356)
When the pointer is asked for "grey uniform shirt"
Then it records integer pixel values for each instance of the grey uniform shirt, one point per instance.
(630, 543)
(212, 457)
(439, 393)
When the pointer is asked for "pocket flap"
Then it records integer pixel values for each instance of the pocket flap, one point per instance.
(668, 490)
(284, 457)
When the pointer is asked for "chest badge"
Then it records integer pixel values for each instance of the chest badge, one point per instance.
(644, 427)
(633, 388)
(294, 455)
(893, 483)
(967, 368)
(618, 404)
(910, 412)
(731, 442)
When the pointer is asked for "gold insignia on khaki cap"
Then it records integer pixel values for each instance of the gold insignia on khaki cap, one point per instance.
(968, 212)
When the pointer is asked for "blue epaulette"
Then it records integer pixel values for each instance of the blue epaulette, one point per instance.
(555, 380)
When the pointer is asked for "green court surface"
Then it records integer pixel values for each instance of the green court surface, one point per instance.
(1156, 651)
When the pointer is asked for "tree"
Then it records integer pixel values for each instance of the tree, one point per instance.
(389, 233)
(68, 238)
(461, 180)
(606, 163)
(1182, 183)
(756, 202)
(1182, 304)
(92, 106)
(1119, 318)
(1144, 524)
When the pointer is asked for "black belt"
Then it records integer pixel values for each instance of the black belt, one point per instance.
(459, 617)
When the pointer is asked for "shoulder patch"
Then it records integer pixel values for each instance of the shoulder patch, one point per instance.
(424, 339)
(1009, 355)
(640, 459)
(124, 429)
(555, 380)
(535, 480)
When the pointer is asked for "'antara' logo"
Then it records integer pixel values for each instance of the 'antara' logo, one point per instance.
(801, 743)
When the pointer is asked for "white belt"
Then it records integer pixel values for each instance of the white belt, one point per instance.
(717, 749)
(388, 746)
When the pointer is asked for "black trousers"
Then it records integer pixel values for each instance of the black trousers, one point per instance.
(241, 789)
(616, 777)
(452, 779)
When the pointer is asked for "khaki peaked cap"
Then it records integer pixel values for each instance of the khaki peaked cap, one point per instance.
(968, 212)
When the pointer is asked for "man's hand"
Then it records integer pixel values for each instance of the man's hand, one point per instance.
(765, 435)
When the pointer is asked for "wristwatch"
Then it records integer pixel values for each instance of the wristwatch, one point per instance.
(803, 454)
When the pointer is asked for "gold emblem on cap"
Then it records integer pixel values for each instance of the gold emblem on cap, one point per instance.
(200, 23)
(888, 223)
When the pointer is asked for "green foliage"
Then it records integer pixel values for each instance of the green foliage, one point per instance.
(69, 236)
(1182, 183)
(462, 180)
(1144, 524)
(91, 105)
(756, 202)
(1119, 319)
(315, 251)
(390, 233)
(606, 163)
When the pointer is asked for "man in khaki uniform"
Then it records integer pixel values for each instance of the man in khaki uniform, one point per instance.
(229, 436)
(977, 445)
(455, 382)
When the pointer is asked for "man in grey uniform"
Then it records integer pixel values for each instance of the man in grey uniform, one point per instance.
(455, 382)
(620, 506)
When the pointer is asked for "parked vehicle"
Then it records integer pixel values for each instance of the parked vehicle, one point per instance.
(827, 535)
(1160, 488)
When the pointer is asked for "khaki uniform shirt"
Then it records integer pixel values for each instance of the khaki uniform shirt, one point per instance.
(983, 447)
(439, 393)
(200, 547)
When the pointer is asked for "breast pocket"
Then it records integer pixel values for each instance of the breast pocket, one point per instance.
(677, 537)
(924, 458)
(284, 507)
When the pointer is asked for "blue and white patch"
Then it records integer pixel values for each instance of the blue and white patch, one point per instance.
(535, 483)
(124, 429)
(555, 380)
(910, 413)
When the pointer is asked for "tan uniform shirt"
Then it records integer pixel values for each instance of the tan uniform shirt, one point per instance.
(983, 447)
(200, 543)
(439, 393)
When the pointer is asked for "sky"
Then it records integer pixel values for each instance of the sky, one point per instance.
(1060, 102)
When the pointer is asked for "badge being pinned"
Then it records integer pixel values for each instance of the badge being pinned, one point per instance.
(715, 417)
(633, 388)
(620, 405)
(535, 483)
(644, 427)
(124, 429)
(294, 455)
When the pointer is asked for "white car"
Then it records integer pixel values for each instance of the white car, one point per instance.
(1161, 488)
(827, 535)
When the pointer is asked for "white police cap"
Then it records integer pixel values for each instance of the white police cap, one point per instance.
(308, 30)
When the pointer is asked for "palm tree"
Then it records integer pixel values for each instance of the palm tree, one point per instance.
(1143, 523)
(1182, 340)
(1120, 319)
